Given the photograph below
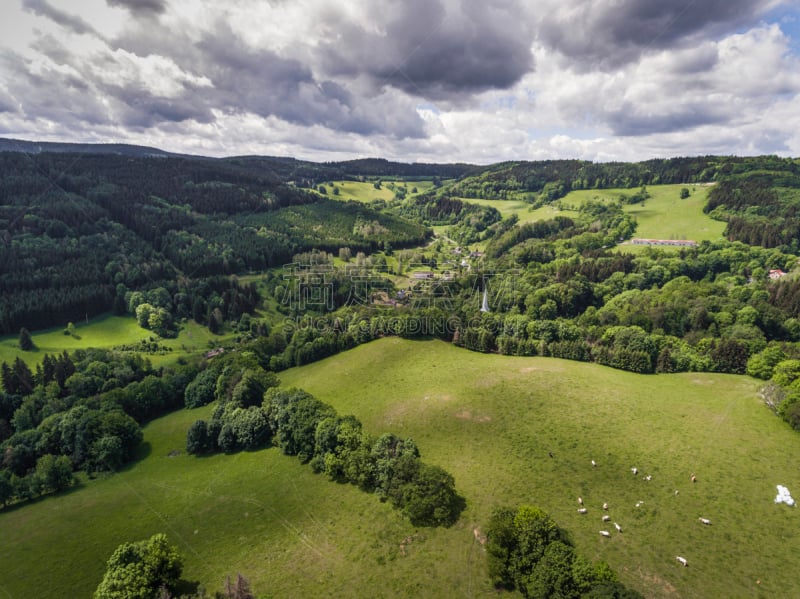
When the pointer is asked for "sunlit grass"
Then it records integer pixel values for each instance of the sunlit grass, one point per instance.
(110, 331)
(664, 215)
(491, 421)
(103, 331)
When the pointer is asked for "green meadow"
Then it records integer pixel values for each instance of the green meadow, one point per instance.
(490, 420)
(364, 191)
(506, 208)
(103, 331)
(662, 216)
(106, 332)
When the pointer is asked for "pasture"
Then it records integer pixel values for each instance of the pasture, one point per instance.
(364, 191)
(506, 208)
(490, 420)
(662, 216)
(106, 332)
(103, 331)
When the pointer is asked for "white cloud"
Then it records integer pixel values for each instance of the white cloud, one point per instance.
(323, 80)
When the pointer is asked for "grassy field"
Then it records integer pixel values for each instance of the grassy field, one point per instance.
(508, 207)
(488, 419)
(104, 332)
(364, 191)
(663, 216)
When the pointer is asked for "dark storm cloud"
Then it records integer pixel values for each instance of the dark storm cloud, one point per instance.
(693, 61)
(7, 103)
(65, 19)
(47, 93)
(247, 79)
(635, 120)
(73, 95)
(256, 80)
(139, 108)
(144, 8)
(608, 34)
(430, 49)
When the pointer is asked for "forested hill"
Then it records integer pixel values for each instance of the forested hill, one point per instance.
(552, 179)
(37, 147)
(82, 224)
(78, 230)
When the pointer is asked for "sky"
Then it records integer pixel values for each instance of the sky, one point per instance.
(476, 81)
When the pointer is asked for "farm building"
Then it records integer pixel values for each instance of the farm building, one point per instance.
(672, 242)
(422, 275)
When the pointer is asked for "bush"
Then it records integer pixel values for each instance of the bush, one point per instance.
(141, 570)
(201, 390)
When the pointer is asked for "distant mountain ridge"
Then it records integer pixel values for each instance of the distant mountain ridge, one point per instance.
(38, 147)
(282, 164)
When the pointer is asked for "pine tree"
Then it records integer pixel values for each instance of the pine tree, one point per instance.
(25, 340)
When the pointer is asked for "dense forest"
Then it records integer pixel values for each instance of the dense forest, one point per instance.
(79, 230)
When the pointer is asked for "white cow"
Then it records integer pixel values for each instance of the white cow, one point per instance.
(583, 510)
(606, 517)
(580, 500)
(605, 533)
(635, 470)
(618, 527)
(705, 521)
(682, 560)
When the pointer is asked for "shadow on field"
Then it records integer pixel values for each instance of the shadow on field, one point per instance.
(12, 507)
(143, 451)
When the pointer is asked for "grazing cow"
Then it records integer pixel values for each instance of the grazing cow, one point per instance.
(605, 506)
(618, 527)
(583, 510)
(648, 477)
(594, 463)
(580, 500)
(606, 517)
(694, 478)
(676, 491)
(550, 453)
(705, 521)
(682, 560)
(605, 533)
(635, 470)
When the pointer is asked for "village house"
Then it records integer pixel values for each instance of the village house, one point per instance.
(776, 273)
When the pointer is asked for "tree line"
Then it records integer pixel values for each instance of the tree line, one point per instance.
(79, 411)
(252, 413)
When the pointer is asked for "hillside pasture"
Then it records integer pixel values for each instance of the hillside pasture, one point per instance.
(104, 331)
(663, 215)
(490, 420)
(506, 208)
(364, 191)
